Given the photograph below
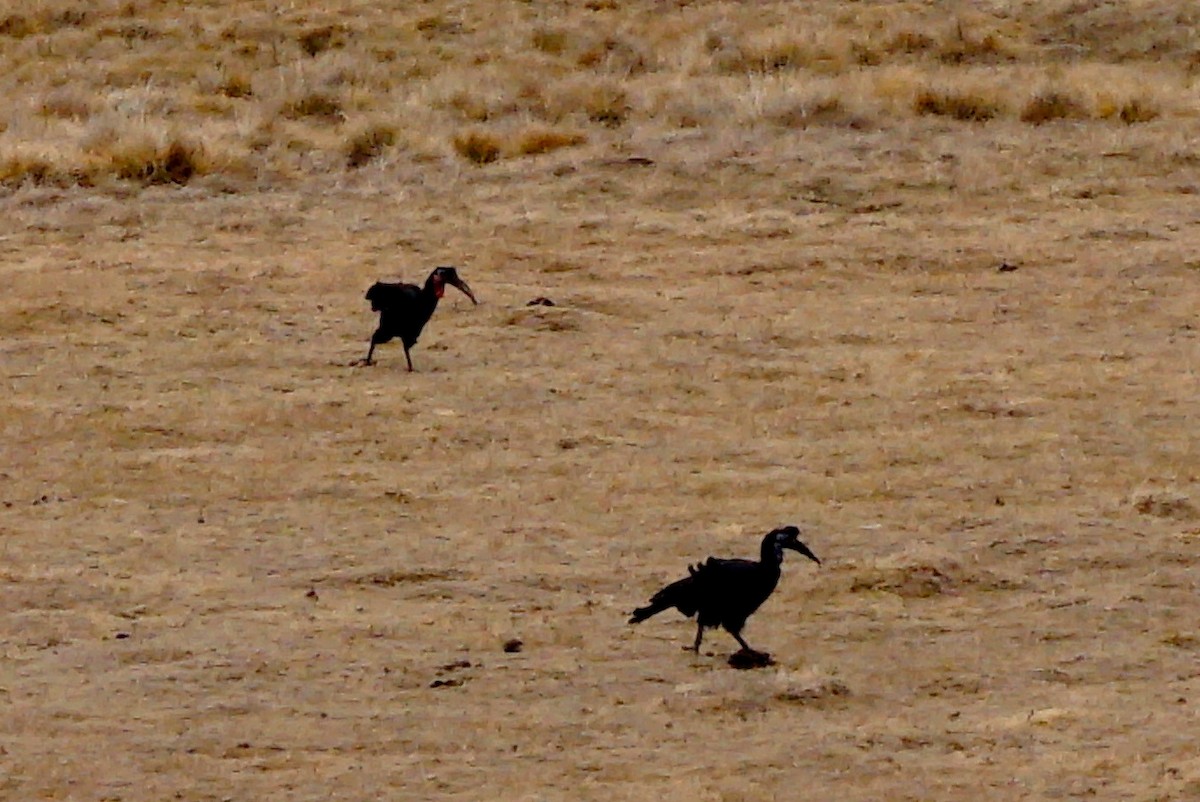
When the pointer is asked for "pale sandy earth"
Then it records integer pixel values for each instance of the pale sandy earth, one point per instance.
(232, 566)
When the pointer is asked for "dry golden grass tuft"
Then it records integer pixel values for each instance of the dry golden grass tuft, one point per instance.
(814, 110)
(66, 103)
(369, 143)
(1048, 106)
(174, 161)
(236, 86)
(966, 47)
(537, 140)
(315, 104)
(604, 102)
(318, 40)
(484, 146)
(1138, 111)
(967, 106)
(477, 146)
(29, 166)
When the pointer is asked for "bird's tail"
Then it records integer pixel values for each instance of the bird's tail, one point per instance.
(680, 595)
(642, 613)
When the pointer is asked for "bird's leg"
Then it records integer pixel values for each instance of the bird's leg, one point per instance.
(407, 357)
(738, 637)
(699, 637)
(376, 339)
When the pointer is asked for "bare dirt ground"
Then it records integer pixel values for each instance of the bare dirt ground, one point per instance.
(236, 567)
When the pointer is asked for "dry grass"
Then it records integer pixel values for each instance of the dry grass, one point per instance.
(369, 143)
(537, 140)
(272, 83)
(478, 147)
(1049, 106)
(965, 106)
(960, 352)
(173, 162)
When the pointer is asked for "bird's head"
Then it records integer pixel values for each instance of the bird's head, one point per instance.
(788, 537)
(442, 276)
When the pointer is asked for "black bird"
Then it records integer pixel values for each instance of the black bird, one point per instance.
(404, 309)
(725, 592)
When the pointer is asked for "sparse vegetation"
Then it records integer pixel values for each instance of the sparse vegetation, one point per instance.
(607, 104)
(478, 147)
(236, 86)
(175, 161)
(1048, 106)
(967, 106)
(1138, 111)
(543, 140)
(190, 67)
(320, 105)
(367, 144)
(316, 41)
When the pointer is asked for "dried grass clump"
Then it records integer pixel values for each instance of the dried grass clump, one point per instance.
(607, 104)
(485, 147)
(911, 43)
(534, 141)
(615, 55)
(236, 86)
(691, 107)
(314, 104)
(959, 46)
(961, 105)
(552, 41)
(437, 25)
(826, 110)
(963, 48)
(37, 169)
(174, 161)
(1138, 111)
(478, 147)
(599, 101)
(16, 26)
(610, 53)
(1164, 504)
(765, 55)
(368, 144)
(317, 40)
(1048, 106)
(469, 105)
(66, 103)
(41, 21)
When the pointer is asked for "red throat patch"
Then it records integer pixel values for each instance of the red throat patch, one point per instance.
(439, 289)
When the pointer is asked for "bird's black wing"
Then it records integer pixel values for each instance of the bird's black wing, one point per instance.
(385, 297)
(718, 571)
(731, 589)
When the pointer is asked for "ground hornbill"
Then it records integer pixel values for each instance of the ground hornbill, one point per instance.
(404, 309)
(725, 592)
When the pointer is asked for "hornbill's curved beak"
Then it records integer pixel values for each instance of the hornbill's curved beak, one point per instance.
(462, 285)
(796, 545)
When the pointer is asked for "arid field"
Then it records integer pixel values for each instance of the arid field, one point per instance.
(922, 278)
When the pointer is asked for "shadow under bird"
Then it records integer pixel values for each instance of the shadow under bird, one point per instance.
(404, 309)
(724, 593)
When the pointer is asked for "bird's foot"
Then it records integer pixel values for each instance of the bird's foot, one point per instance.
(750, 658)
(365, 363)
